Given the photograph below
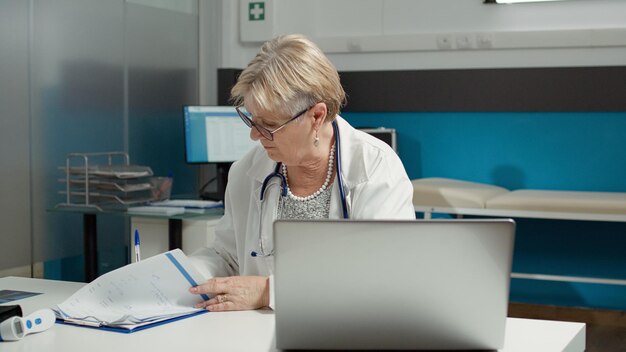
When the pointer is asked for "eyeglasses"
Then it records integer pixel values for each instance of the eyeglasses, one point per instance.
(262, 130)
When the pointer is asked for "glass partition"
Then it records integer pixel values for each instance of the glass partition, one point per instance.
(87, 76)
(15, 233)
(77, 105)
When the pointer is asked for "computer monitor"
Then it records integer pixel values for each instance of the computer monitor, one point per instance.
(387, 135)
(215, 135)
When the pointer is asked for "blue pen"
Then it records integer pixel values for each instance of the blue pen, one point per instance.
(137, 252)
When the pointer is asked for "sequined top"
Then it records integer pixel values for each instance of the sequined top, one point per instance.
(312, 209)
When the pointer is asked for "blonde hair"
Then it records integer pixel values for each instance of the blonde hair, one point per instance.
(289, 74)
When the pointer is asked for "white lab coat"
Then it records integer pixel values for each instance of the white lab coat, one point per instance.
(376, 187)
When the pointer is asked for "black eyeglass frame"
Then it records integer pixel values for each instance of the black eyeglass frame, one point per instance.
(264, 131)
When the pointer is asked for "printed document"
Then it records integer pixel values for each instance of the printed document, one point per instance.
(152, 290)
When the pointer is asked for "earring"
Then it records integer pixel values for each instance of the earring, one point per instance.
(316, 142)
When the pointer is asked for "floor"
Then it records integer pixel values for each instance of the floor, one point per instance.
(606, 329)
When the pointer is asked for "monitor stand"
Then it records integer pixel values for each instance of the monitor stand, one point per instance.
(222, 178)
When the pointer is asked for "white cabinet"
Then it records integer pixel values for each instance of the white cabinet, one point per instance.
(154, 234)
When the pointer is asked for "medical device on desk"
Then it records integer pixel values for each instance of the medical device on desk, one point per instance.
(15, 328)
(283, 192)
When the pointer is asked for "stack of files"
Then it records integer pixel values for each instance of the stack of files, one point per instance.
(137, 296)
(189, 203)
(121, 171)
(156, 210)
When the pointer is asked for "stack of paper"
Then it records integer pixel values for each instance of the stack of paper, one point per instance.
(139, 294)
(155, 210)
(190, 203)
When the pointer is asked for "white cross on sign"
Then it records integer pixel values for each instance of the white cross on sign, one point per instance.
(256, 11)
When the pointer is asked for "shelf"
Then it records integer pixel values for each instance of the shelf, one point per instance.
(108, 180)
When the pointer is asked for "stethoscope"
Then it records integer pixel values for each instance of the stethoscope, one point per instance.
(283, 192)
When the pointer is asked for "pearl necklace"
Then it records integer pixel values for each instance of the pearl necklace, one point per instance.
(329, 173)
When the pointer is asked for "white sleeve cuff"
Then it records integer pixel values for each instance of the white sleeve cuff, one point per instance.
(271, 283)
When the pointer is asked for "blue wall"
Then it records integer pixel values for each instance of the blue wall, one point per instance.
(558, 151)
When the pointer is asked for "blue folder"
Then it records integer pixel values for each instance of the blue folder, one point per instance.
(128, 331)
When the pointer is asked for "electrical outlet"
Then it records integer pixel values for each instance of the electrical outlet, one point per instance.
(354, 45)
(444, 41)
(464, 41)
(484, 40)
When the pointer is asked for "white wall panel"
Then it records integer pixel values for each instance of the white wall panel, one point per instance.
(333, 18)
(403, 34)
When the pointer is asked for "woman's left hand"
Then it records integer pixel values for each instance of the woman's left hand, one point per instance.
(234, 293)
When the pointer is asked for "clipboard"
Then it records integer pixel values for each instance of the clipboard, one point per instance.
(139, 327)
(159, 283)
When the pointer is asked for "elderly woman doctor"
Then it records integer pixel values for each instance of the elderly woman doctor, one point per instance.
(309, 164)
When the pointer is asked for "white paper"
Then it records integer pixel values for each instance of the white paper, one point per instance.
(189, 203)
(152, 289)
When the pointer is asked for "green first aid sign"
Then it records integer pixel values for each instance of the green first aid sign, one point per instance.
(256, 11)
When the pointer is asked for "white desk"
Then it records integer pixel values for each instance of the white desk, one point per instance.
(231, 331)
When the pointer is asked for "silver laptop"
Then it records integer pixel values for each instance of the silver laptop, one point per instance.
(421, 284)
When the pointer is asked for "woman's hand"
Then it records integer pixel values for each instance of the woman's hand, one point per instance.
(234, 293)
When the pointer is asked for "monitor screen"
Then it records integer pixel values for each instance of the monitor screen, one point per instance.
(215, 134)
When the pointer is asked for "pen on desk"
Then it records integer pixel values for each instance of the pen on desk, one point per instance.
(137, 252)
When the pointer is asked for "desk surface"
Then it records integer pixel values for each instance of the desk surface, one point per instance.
(192, 214)
(228, 331)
